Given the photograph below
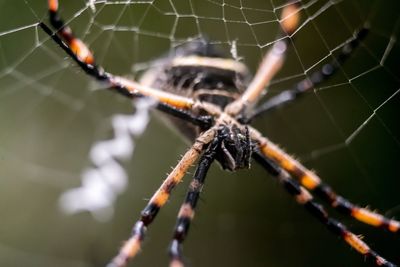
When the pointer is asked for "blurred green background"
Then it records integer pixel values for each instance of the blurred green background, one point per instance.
(50, 115)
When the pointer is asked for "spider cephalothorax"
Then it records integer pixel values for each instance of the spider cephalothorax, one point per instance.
(200, 70)
(235, 148)
(208, 95)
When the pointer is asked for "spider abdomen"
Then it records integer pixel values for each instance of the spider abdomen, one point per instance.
(200, 71)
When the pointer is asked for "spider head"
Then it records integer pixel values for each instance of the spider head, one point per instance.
(235, 148)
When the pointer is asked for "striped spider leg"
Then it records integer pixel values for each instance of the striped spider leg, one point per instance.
(160, 197)
(186, 212)
(312, 182)
(304, 198)
(314, 79)
(81, 54)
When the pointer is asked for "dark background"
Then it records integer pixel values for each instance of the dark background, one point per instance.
(50, 115)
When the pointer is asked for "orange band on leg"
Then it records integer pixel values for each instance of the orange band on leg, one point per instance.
(367, 216)
(290, 18)
(356, 243)
(81, 51)
(53, 5)
(394, 226)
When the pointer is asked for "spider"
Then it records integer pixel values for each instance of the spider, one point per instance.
(212, 100)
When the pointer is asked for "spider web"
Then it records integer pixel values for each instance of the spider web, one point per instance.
(51, 114)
